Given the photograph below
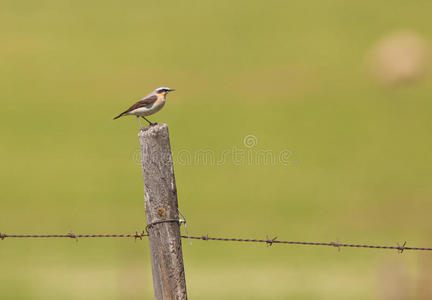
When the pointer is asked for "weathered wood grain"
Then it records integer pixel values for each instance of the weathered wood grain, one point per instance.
(161, 203)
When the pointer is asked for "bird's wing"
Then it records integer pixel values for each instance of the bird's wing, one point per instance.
(141, 103)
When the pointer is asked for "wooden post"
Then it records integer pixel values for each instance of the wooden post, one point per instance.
(161, 204)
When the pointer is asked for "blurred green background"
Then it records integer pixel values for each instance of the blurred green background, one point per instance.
(294, 74)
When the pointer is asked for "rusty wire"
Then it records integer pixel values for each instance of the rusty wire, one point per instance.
(337, 245)
(268, 241)
(72, 235)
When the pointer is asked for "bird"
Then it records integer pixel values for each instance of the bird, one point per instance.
(149, 105)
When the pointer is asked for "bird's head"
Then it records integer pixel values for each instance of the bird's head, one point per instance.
(163, 91)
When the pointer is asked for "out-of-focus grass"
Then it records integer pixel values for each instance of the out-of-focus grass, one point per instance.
(290, 73)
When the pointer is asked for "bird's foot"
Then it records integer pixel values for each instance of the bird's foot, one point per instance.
(147, 127)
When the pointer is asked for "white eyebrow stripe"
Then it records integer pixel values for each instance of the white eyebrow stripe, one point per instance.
(161, 88)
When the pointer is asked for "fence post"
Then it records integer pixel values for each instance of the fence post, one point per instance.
(161, 204)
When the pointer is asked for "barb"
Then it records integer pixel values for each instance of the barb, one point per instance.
(401, 248)
(336, 244)
(139, 235)
(268, 242)
(73, 235)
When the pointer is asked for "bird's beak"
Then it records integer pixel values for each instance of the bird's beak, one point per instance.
(171, 90)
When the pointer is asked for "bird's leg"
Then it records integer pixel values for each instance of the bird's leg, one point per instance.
(140, 123)
(151, 124)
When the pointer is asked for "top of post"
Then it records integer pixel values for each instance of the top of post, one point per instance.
(153, 130)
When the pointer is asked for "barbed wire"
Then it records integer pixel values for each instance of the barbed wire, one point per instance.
(268, 241)
(74, 236)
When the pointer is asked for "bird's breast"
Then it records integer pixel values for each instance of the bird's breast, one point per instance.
(154, 108)
(159, 103)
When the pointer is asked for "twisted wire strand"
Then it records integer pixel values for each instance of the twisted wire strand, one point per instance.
(268, 241)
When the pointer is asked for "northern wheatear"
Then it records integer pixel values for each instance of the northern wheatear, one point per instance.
(148, 105)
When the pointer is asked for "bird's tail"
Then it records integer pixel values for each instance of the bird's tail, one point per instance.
(120, 115)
